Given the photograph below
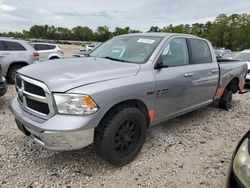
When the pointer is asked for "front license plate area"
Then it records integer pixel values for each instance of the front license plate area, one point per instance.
(22, 128)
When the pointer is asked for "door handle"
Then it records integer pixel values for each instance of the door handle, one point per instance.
(189, 74)
(214, 71)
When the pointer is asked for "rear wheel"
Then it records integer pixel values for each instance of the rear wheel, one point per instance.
(121, 135)
(12, 73)
(225, 101)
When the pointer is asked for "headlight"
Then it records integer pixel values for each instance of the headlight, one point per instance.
(241, 164)
(75, 104)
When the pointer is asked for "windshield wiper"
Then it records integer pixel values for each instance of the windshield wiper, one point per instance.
(114, 59)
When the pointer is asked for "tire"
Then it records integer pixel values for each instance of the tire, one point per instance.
(121, 135)
(225, 101)
(12, 73)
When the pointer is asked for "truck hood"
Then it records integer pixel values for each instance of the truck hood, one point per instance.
(65, 74)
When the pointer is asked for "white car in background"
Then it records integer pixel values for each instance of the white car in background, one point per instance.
(48, 51)
(245, 56)
(89, 47)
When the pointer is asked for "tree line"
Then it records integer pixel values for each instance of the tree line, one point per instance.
(232, 32)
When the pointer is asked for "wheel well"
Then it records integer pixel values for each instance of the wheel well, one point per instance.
(132, 103)
(233, 85)
(54, 57)
(16, 64)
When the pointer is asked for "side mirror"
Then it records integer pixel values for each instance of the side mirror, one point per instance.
(159, 64)
(218, 58)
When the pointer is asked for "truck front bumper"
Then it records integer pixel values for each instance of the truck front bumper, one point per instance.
(3, 86)
(64, 140)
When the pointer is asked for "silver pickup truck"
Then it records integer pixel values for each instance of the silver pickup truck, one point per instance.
(125, 86)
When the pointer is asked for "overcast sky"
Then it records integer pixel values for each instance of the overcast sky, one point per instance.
(16, 15)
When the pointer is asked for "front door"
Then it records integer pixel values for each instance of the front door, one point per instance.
(174, 83)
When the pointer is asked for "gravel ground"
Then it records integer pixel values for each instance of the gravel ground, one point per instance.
(69, 50)
(190, 151)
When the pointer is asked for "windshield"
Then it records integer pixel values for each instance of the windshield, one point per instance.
(245, 56)
(130, 49)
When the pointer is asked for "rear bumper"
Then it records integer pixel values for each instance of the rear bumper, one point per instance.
(3, 86)
(69, 133)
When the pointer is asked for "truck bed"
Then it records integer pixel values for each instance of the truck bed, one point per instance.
(230, 69)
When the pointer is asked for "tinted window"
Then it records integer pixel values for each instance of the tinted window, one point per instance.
(37, 46)
(13, 46)
(1, 46)
(200, 51)
(175, 53)
(50, 47)
(41, 47)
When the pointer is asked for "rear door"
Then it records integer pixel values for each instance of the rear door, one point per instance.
(5, 56)
(173, 84)
(205, 71)
(14, 51)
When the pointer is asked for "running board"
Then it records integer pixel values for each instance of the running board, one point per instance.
(244, 91)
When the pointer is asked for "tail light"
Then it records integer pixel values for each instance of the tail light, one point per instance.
(36, 55)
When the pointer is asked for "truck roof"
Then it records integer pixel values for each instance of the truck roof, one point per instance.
(158, 34)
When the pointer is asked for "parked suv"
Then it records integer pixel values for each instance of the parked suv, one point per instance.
(3, 84)
(48, 51)
(15, 54)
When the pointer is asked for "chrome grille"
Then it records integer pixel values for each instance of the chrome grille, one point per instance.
(34, 97)
(38, 106)
(31, 88)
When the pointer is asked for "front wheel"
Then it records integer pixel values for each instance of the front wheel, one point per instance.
(225, 101)
(121, 135)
